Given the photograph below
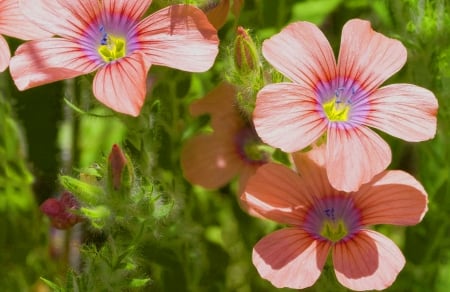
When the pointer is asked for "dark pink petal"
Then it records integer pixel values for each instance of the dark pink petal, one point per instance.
(290, 258)
(392, 197)
(13, 22)
(44, 61)
(368, 261)
(302, 53)
(5, 54)
(179, 36)
(405, 111)
(121, 85)
(210, 161)
(287, 116)
(354, 156)
(278, 193)
(368, 57)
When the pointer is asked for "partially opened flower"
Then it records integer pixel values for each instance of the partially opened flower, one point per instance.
(341, 100)
(323, 219)
(13, 23)
(109, 36)
(214, 159)
(62, 211)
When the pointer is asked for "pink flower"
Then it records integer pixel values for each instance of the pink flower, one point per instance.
(109, 37)
(213, 160)
(341, 100)
(324, 219)
(13, 23)
(62, 211)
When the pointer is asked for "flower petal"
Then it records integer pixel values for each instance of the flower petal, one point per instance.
(13, 22)
(210, 160)
(302, 53)
(290, 258)
(405, 111)
(278, 193)
(287, 116)
(179, 36)
(368, 57)
(354, 156)
(392, 197)
(132, 9)
(5, 54)
(44, 61)
(121, 85)
(368, 261)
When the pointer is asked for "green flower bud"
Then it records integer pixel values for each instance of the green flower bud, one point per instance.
(246, 57)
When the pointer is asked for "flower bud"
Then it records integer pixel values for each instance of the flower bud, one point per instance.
(119, 170)
(62, 211)
(246, 57)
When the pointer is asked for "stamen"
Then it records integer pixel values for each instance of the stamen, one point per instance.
(111, 47)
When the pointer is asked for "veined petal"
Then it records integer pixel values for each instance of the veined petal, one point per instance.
(368, 57)
(392, 197)
(48, 15)
(132, 9)
(44, 61)
(210, 160)
(290, 257)
(5, 54)
(121, 85)
(405, 111)
(278, 193)
(354, 156)
(287, 116)
(13, 22)
(302, 53)
(368, 261)
(179, 36)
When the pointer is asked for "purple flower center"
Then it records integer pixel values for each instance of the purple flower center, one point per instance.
(333, 218)
(343, 101)
(249, 147)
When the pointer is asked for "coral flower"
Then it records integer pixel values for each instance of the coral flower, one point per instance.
(212, 160)
(341, 100)
(109, 36)
(13, 23)
(323, 219)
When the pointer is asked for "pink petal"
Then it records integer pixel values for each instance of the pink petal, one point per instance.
(50, 16)
(392, 197)
(354, 156)
(368, 261)
(247, 172)
(121, 85)
(290, 258)
(132, 9)
(405, 111)
(278, 193)
(5, 54)
(287, 116)
(368, 57)
(210, 160)
(302, 53)
(44, 61)
(13, 22)
(179, 36)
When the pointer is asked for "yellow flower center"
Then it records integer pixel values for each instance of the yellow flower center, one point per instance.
(334, 230)
(112, 48)
(336, 111)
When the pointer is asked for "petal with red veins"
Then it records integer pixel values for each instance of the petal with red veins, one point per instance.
(121, 84)
(5, 54)
(368, 57)
(290, 257)
(132, 9)
(179, 36)
(40, 62)
(354, 156)
(287, 116)
(405, 111)
(369, 261)
(302, 53)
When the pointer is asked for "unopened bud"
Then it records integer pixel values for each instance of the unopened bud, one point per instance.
(119, 169)
(246, 57)
(62, 211)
